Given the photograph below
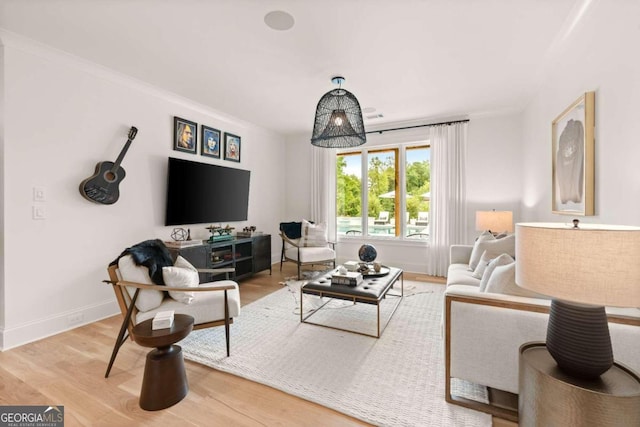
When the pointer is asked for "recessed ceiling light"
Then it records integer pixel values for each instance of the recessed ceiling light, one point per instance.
(279, 20)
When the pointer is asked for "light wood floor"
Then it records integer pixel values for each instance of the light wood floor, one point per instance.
(68, 369)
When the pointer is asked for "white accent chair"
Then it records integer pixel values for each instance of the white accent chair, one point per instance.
(212, 304)
(294, 250)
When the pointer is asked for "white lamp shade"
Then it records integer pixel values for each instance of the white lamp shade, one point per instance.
(592, 264)
(496, 221)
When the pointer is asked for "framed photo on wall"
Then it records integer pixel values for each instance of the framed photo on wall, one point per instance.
(185, 135)
(210, 145)
(573, 158)
(231, 147)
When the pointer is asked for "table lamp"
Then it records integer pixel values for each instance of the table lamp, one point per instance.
(584, 268)
(494, 221)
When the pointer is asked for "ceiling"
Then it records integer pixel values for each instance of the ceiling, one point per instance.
(407, 59)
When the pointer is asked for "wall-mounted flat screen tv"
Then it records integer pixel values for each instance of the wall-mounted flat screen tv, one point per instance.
(204, 193)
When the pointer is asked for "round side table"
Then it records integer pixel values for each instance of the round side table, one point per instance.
(549, 397)
(165, 381)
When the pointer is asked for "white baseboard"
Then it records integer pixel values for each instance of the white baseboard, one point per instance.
(42, 328)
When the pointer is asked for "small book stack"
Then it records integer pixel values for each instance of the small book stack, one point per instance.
(162, 320)
(350, 278)
(179, 244)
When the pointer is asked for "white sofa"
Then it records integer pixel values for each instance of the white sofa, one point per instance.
(483, 331)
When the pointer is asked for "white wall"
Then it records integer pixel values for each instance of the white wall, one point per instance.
(493, 182)
(62, 116)
(598, 55)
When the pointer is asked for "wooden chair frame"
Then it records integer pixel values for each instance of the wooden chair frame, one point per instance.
(129, 310)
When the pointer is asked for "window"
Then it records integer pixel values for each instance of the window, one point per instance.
(391, 184)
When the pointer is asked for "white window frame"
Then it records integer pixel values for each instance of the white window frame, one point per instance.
(364, 191)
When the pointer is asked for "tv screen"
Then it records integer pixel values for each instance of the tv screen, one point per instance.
(205, 193)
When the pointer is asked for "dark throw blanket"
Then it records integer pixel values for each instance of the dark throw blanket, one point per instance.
(152, 254)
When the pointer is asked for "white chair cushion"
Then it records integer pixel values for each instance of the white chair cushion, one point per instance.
(181, 275)
(148, 299)
(311, 254)
(205, 307)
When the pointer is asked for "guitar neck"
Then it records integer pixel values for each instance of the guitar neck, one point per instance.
(132, 134)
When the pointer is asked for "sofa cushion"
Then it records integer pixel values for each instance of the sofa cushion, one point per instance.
(503, 259)
(459, 274)
(477, 251)
(503, 281)
(313, 235)
(506, 245)
(482, 264)
(148, 299)
(181, 275)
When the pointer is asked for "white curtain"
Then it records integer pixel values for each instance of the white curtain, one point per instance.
(323, 183)
(448, 193)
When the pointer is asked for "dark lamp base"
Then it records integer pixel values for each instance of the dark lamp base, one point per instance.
(578, 339)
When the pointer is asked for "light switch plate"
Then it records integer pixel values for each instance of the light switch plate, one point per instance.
(39, 212)
(39, 194)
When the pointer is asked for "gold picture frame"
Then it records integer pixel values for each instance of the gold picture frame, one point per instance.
(573, 158)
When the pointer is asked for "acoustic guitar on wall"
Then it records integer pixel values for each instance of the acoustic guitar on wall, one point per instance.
(102, 187)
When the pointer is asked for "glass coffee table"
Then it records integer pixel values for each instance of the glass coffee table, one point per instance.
(375, 288)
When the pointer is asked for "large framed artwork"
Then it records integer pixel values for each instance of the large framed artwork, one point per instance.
(573, 158)
(185, 135)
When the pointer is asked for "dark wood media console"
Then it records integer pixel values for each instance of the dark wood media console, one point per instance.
(248, 255)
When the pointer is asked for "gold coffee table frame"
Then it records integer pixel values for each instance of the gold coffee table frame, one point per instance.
(343, 293)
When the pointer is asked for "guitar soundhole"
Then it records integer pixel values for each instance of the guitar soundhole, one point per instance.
(110, 176)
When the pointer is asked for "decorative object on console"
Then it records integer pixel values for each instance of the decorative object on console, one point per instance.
(573, 158)
(494, 221)
(219, 233)
(210, 142)
(231, 147)
(179, 234)
(102, 186)
(185, 135)
(584, 268)
(338, 121)
(246, 231)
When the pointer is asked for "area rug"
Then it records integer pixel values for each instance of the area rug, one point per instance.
(397, 380)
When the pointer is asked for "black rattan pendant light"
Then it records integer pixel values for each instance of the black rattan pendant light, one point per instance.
(338, 121)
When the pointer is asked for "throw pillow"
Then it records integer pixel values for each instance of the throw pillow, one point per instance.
(482, 264)
(181, 275)
(503, 281)
(148, 299)
(476, 252)
(503, 259)
(506, 245)
(313, 234)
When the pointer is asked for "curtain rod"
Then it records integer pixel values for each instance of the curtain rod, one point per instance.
(419, 126)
